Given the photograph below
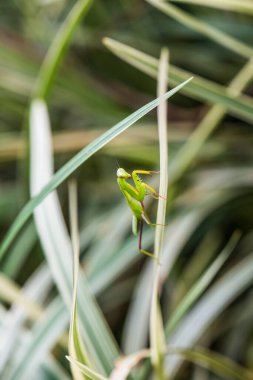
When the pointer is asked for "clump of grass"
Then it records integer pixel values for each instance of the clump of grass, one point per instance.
(129, 317)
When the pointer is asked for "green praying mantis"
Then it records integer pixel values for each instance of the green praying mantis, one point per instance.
(135, 197)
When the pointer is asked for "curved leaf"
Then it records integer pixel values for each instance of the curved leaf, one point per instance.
(218, 364)
(201, 88)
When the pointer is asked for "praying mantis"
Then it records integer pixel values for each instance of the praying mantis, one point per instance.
(135, 197)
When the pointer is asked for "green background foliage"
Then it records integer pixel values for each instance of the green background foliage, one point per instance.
(80, 68)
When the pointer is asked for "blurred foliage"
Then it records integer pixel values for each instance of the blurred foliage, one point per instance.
(93, 90)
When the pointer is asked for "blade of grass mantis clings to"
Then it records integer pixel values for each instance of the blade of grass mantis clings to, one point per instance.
(76, 347)
(157, 337)
(75, 162)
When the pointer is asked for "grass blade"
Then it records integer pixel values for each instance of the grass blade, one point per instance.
(124, 365)
(202, 89)
(20, 251)
(241, 6)
(57, 246)
(200, 286)
(58, 47)
(86, 370)
(37, 287)
(157, 337)
(217, 363)
(214, 34)
(208, 124)
(43, 336)
(76, 347)
(11, 293)
(209, 308)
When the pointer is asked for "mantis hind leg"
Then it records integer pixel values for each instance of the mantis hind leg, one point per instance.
(143, 251)
(148, 221)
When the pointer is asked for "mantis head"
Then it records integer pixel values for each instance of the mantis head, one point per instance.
(121, 173)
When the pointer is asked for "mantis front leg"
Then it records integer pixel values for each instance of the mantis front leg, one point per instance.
(140, 186)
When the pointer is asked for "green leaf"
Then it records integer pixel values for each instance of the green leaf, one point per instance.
(77, 348)
(36, 287)
(241, 6)
(57, 249)
(19, 252)
(200, 286)
(58, 47)
(202, 89)
(157, 335)
(43, 336)
(217, 363)
(209, 307)
(86, 370)
(194, 23)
